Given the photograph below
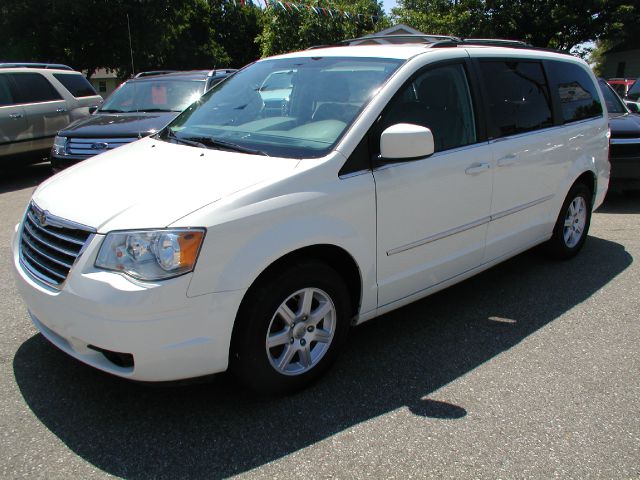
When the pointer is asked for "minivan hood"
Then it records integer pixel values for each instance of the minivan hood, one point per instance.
(151, 184)
(130, 125)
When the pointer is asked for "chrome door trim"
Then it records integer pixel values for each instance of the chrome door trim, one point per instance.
(439, 236)
(519, 208)
(468, 226)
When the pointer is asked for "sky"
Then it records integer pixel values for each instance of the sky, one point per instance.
(388, 5)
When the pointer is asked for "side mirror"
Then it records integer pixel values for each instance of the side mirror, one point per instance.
(92, 110)
(405, 141)
(634, 107)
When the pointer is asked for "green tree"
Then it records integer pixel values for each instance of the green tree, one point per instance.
(461, 18)
(286, 27)
(180, 34)
(543, 23)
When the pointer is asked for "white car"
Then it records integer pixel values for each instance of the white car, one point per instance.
(250, 239)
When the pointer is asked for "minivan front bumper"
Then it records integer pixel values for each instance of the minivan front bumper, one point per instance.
(101, 317)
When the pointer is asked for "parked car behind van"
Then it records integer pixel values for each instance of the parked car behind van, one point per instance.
(37, 100)
(252, 239)
(138, 108)
(624, 152)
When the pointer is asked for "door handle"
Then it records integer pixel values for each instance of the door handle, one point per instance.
(507, 160)
(477, 168)
(61, 110)
(15, 115)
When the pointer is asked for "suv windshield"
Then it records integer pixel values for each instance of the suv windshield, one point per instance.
(161, 95)
(614, 104)
(287, 107)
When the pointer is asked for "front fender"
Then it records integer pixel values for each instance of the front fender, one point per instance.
(244, 241)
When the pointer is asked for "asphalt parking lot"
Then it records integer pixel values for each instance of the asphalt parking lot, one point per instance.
(529, 370)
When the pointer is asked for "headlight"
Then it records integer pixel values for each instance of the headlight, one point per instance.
(59, 144)
(151, 254)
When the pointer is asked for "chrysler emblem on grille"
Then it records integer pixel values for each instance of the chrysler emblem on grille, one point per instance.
(42, 216)
(99, 146)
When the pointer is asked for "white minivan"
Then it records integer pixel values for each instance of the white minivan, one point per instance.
(250, 239)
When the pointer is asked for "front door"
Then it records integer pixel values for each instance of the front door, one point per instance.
(432, 213)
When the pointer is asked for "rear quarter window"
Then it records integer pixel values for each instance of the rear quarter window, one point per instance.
(77, 85)
(578, 94)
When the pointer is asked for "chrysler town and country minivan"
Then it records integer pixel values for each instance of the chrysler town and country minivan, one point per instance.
(251, 239)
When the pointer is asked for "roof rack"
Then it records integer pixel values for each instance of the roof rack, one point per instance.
(216, 71)
(154, 72)
(434, 41)
(496, 42)
(411, 38)
(56, 66)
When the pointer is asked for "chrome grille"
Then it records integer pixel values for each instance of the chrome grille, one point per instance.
(49, 245)
(88, 147)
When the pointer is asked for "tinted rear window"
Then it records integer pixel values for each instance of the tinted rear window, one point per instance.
(578, 94)
(518, 96)
(33, 88)
(77, 85)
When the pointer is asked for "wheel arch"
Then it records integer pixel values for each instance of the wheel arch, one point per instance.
(332, 255)
(336, 257)
(590, 180)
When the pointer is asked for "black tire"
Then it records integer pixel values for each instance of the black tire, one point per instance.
(253, 364)
(559, 246)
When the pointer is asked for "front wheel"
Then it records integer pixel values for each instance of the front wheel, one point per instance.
(572, 225)
(290, 328)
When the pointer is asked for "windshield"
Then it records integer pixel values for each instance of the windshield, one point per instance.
(162, 95)
(614, 104)
(634, 91)
(291, 107)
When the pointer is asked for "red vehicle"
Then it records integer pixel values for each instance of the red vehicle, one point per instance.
(621, 85)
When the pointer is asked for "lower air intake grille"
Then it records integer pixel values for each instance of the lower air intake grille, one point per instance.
(49, 245)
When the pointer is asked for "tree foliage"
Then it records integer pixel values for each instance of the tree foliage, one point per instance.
(186, 34)
(287, 29)
(180, 34)
(543, 23)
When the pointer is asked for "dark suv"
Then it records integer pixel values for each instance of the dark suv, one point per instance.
(138, 108)
(625, 141)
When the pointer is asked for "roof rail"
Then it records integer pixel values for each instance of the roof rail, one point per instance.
(436, 41)
(221, 70)
(496, 42)
(154, 72)
(57, 66)
(410, 38)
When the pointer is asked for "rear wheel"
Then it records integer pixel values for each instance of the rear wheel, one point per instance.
(290, 328)
(572, 225)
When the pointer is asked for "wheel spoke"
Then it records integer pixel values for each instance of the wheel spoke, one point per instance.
(319, 313)
(277, 339)
(307, 299)
(286, 357)
(568, 222)
(305, 356)
(321, 336)
(286, 314)
(572, 209)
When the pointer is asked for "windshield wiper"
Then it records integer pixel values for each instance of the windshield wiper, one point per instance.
(213, 143)
(112, 110)
(157, 110)
(190, 142)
